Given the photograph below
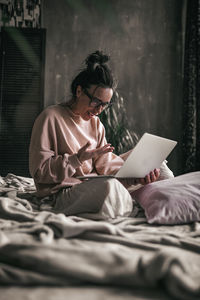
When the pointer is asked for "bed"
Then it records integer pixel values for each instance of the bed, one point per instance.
(44, 255)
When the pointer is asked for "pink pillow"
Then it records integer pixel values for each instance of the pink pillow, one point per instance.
(171, 201)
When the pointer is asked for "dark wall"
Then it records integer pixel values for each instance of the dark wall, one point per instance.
(145, 40)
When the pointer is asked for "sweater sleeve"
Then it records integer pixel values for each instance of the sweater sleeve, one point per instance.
(46, 166)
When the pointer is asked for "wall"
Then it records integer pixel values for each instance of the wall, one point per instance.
(145, 39)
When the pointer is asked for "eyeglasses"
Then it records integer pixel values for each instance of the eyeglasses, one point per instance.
(95, 102)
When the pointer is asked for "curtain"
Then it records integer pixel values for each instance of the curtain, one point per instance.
(191, 89)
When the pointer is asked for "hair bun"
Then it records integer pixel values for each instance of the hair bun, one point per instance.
(95, 59)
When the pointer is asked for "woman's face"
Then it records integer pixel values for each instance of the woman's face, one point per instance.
(92, 101)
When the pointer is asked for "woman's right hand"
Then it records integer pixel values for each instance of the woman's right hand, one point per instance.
(84, 153)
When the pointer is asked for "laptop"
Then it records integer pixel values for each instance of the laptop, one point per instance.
(148, 154)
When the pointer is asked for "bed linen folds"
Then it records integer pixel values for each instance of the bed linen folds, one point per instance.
(43, 248)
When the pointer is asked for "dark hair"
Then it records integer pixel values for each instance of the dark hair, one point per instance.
(96, 72)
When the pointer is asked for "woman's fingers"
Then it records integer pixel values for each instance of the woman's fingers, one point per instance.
(84, 153)
(106, 148)
(157, 173)
(151, 177)
(85, 146)
(147, 178)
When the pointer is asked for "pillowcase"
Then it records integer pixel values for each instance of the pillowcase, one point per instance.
(171, 201)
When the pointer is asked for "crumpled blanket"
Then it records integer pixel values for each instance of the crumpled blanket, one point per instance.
(19, 183)
(43, 248)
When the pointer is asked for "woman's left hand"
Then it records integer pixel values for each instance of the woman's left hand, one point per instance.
(151, 177)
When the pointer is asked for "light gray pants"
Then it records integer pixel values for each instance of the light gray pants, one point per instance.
(100, 198)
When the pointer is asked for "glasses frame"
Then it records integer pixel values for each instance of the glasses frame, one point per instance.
(98, 102)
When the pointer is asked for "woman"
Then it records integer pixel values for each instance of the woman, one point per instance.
(68, 140)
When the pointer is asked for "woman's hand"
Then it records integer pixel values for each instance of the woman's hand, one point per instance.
(151, 177)
(84, 153)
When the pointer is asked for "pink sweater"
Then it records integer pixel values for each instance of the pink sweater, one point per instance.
(57, 136)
